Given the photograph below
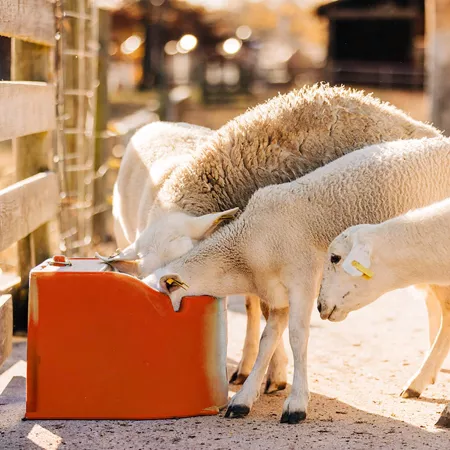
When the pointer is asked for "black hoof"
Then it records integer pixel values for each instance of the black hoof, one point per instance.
(273, 386)
(238, 378)
(237, 411)
(443, 422)
(410, 393)
(293, 417)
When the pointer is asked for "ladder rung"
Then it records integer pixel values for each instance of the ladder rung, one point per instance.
(75, 131)
(80, 205)
(79, 53)
(101, 209)
(69, 233)
(87, 93)
(76, 15)
(57, 159)
(81, 243)
(78, 167)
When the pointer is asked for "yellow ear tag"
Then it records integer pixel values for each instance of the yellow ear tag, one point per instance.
(171, 281)
(367, 273)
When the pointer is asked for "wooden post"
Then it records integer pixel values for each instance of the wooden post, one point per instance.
(438, 61)
(6, 331)
(30, 62)
(102, 116)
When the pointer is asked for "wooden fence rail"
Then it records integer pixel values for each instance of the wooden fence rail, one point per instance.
(26, 107)
(28, 117)
(29, 20)
(27, 205)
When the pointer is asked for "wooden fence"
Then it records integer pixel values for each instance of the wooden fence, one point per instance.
(28, 117)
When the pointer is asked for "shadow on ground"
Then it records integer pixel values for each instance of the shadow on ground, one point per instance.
(331, 424)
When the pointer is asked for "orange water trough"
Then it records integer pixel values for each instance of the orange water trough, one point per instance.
(103, 345)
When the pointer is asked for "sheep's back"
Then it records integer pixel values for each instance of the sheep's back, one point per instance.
(373, 185)
(281, 140)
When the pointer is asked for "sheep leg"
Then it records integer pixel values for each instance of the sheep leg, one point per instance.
(277, 372)
(241, 404)
(301, 301)
(433, 362)
(251, 343)
(434, 314)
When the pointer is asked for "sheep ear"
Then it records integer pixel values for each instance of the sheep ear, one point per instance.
(201, 227)
(129, 254)
(361, 254)
(126, 261)
(129, 267)
(171, 282)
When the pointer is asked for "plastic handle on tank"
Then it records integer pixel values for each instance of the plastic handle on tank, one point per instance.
(60, 260)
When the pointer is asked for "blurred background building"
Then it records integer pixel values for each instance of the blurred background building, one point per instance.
(215, 51)
(203, 53)
(375, 42)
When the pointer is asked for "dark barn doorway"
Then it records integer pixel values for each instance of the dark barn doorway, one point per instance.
(375, 42)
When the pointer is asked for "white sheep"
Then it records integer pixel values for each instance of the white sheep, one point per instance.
(412, 249)
(273, 143)
(153, 152)
(276, 248)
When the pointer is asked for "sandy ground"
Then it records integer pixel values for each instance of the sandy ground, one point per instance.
(356, 371)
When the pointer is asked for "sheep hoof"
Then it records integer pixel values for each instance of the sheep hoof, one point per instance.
(443, 422)
(238, 378)
(293, 417)
(274, 386)
(410, 393)
(237, 411)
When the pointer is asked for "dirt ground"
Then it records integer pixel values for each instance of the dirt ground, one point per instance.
(356, 371)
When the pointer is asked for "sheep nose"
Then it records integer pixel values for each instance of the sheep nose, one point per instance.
(319, 307)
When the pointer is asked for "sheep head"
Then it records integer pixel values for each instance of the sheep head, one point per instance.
(351, 278)
(168, 237)
(169, 284)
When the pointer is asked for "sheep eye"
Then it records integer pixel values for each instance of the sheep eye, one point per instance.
(335, 258)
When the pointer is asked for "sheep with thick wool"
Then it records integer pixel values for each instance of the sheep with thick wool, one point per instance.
(276, 248)
(273, 143)
(153, 152)
(412, 249)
